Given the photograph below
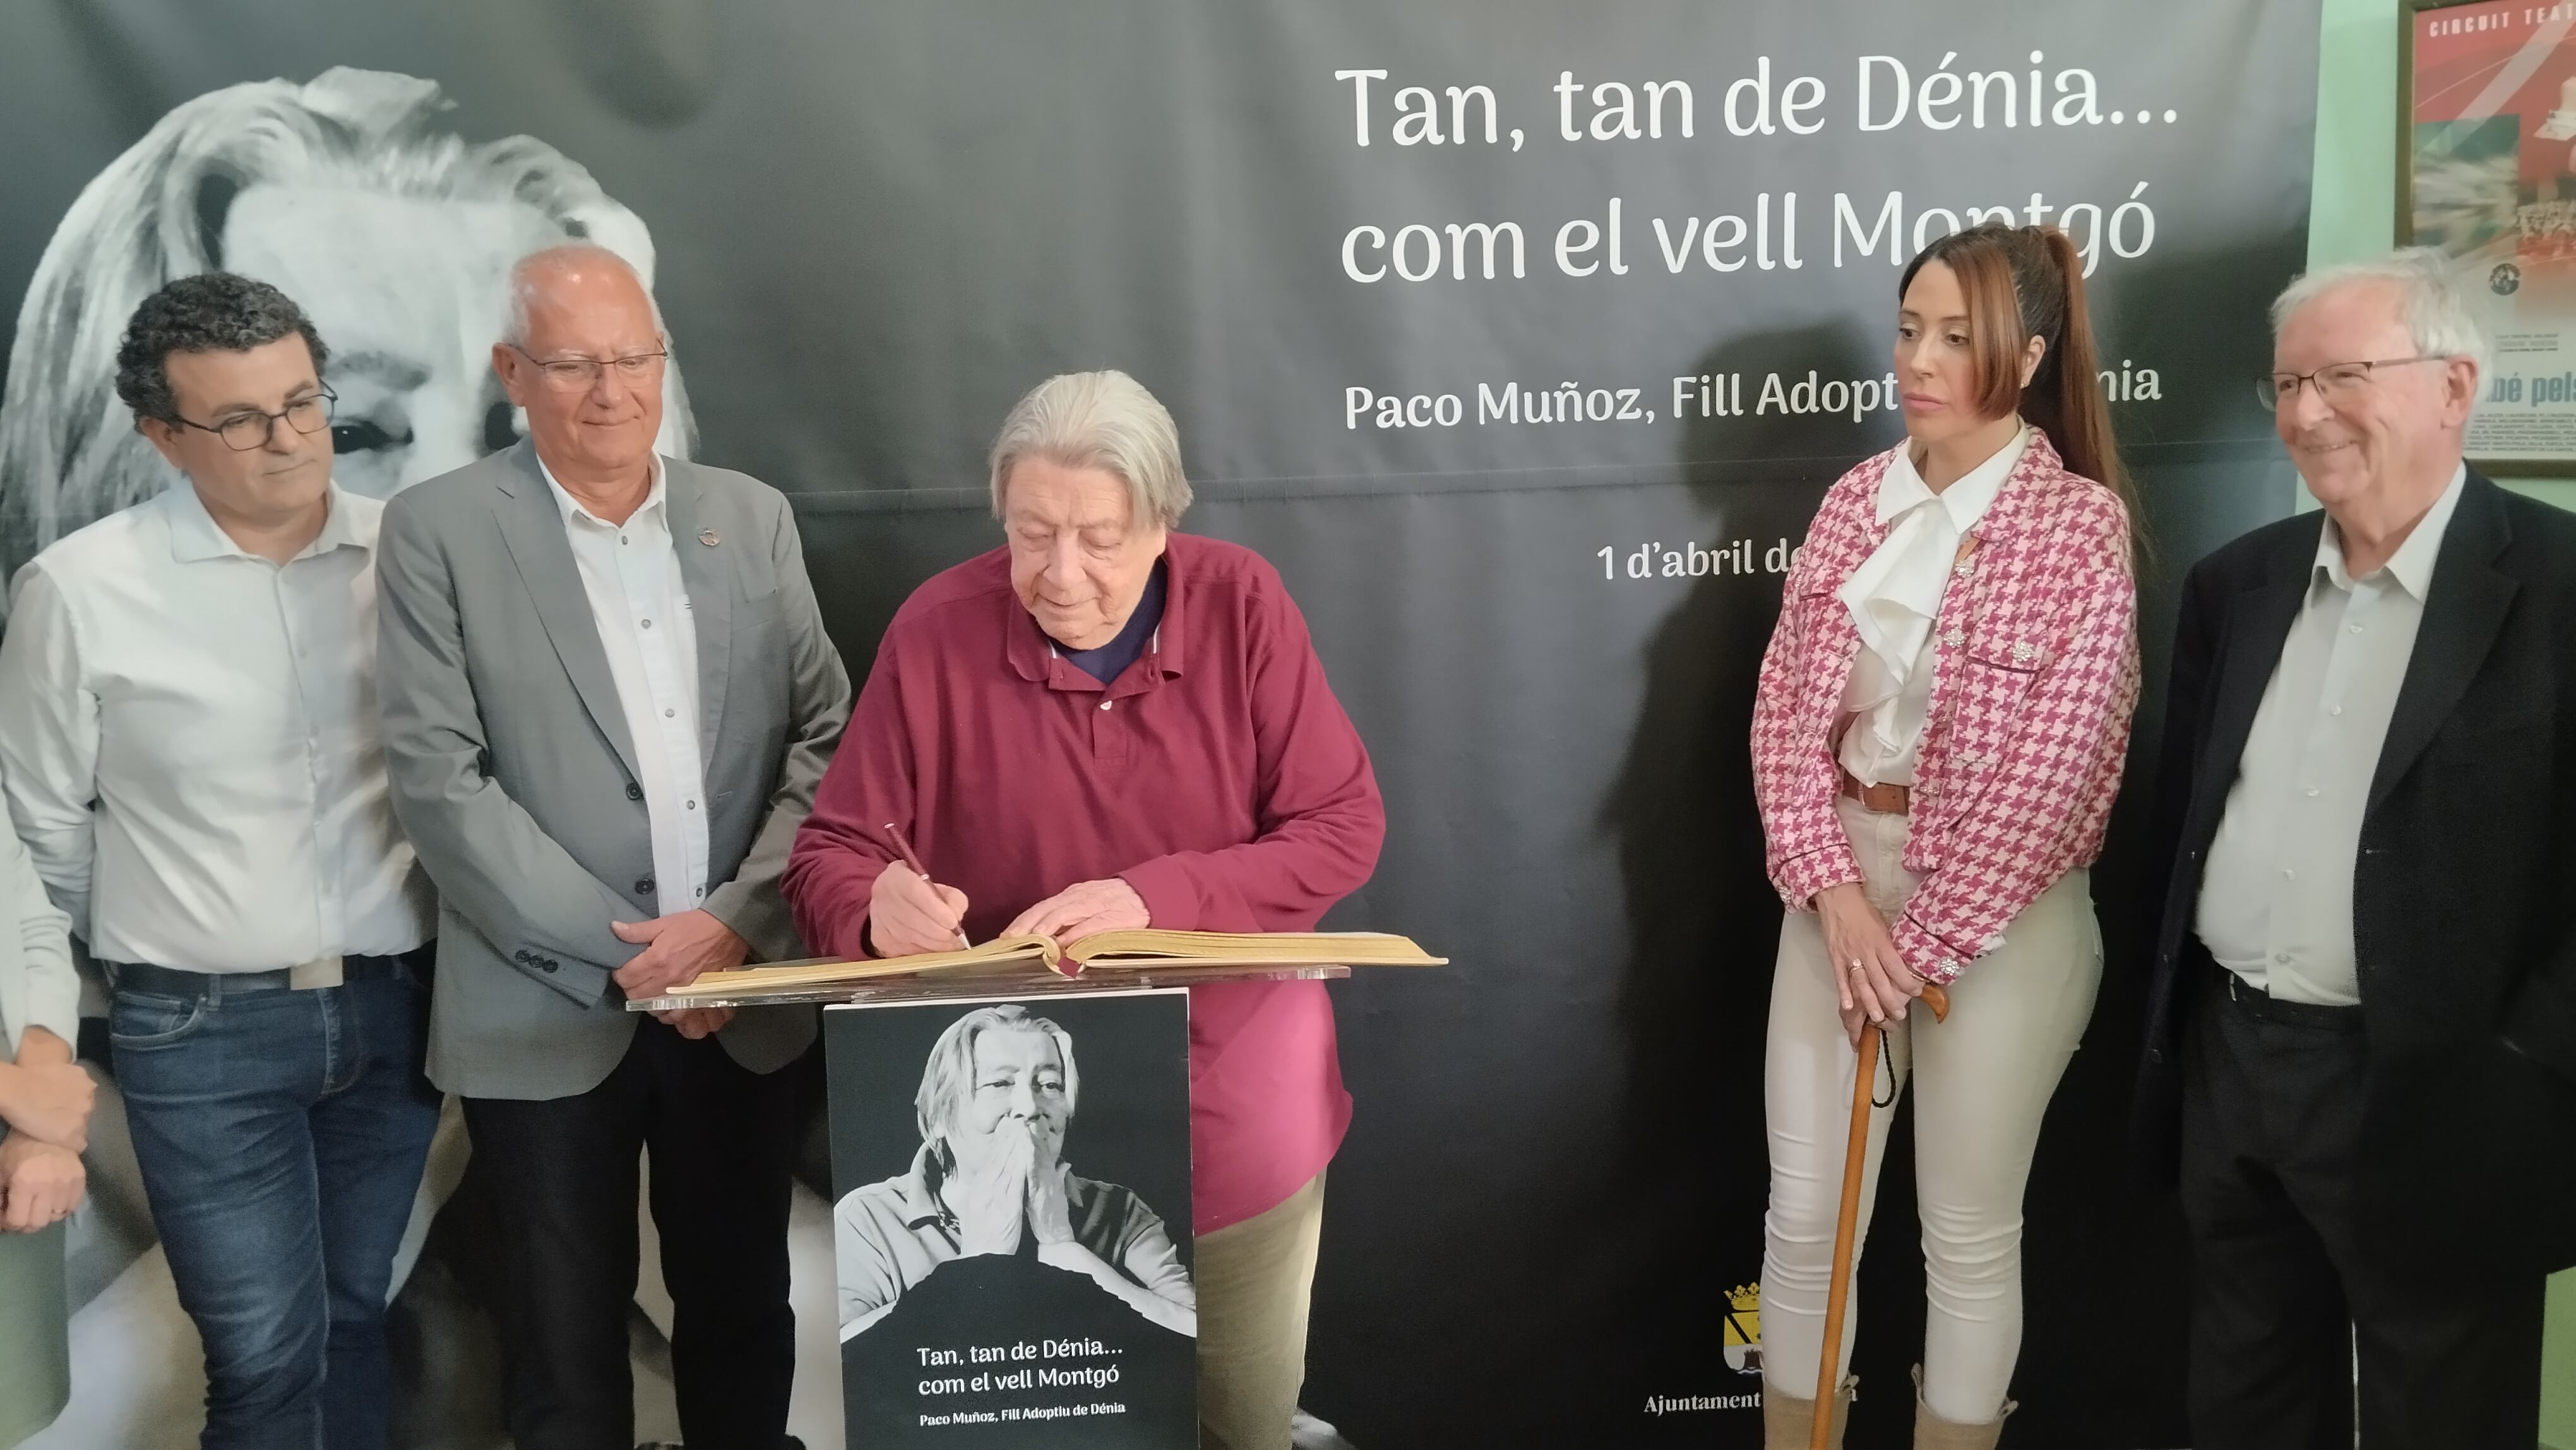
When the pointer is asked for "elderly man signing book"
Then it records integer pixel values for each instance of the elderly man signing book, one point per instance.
(1108, 725)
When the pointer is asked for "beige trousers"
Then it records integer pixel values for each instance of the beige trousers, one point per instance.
(1255, 1279)
(1981, 1083)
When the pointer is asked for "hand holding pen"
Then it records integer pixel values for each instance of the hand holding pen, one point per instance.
(908, 913)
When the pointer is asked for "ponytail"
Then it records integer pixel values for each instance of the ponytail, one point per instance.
(2044, 276)
(2078, 416)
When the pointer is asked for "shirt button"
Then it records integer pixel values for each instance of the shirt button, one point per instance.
(693, 805)
(643, 885)
(2289, 874)
(1105, 704)
(634, 792)
(2281, 957)
(2335, 710)
(648, 624)
(667, 714)
(2312, 790)
(2354, 628)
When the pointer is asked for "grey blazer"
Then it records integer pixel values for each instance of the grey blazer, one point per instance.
(514, 776)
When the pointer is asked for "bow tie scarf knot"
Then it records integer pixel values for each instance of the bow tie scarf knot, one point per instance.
(1893, 598)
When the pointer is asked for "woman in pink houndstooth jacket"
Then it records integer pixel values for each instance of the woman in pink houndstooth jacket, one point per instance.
(1938, 735)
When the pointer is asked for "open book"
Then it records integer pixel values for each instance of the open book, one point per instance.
(1099, 952)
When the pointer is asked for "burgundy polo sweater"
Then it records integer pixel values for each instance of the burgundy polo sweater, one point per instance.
(1217, 775)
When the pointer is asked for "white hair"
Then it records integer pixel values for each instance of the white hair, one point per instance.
(1105, 420)
(526, 284)
(2429, 300)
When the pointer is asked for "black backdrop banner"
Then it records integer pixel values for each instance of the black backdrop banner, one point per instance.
(1522, 337)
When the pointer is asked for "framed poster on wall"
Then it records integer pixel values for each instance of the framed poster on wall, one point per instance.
(2486, 171)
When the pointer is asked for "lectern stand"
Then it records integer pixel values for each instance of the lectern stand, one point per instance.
(960, 987)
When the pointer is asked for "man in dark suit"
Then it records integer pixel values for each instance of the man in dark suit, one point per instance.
(607, 700)
(2361, 1053)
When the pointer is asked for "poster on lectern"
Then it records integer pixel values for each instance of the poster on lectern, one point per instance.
(2488, 174)
(1011, 1222)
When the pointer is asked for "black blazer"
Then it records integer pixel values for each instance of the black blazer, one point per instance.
(2464, 890)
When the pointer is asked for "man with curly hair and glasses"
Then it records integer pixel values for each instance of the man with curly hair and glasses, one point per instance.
(189, 731)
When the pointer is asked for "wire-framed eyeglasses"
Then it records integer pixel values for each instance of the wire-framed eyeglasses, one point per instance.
(251, 428)
(578, 374)
(2335, 382)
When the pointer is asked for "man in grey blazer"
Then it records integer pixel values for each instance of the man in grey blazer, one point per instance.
(607, 699)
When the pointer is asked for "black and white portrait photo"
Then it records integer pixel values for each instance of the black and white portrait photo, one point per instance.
(1011, 1235)
(991, 1177)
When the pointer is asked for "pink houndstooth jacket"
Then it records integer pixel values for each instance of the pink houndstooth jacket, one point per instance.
(2035, 672)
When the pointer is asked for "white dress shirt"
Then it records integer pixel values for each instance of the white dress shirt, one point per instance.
(190, 747)
(1893, 598)
(38, 987)
(631, 572)
(2276, 899)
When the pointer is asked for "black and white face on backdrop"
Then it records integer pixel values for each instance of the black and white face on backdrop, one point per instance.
(350, 193)
(872, 228)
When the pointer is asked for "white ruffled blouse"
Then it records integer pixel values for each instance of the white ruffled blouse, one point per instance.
(1894, 597)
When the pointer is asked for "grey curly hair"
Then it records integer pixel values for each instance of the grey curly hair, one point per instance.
(1105, 420)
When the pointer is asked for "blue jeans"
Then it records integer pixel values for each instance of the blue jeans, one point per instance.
(281, 1135)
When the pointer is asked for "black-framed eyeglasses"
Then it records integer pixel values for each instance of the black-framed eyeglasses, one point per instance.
(579, 374)
(251, 428)
(2335, 382)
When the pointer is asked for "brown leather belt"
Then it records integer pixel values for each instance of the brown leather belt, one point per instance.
(1885, 800)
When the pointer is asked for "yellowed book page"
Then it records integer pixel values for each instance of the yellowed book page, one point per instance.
(1002, 954)
(1147, 947)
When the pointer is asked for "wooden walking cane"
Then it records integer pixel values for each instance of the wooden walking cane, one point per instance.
(1847, 1227)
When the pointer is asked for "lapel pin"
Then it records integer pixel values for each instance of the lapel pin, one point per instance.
(710, 538)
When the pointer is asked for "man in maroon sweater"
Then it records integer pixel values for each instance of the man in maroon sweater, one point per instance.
(1107, 724)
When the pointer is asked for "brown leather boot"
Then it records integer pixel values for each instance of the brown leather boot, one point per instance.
(1931, 1432)
(1788, 1421)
